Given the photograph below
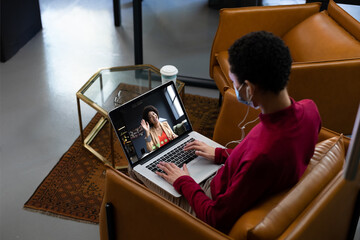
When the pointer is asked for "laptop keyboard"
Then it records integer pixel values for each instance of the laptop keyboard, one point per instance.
(177, 156)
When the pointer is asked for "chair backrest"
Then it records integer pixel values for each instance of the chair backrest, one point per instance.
(326, 52)
(330, 156)
(272, 217)
(328, 35)
(331, 215)
(138, 213)
(276, 19)
(321, 38)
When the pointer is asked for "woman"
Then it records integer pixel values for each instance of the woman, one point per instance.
(274, 154)
(157, 133)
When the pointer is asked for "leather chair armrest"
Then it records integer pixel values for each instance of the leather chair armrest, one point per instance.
(344, 19)
(139, 213)
(334, 88)
(325, 211)
(254, 216)
(237, 22)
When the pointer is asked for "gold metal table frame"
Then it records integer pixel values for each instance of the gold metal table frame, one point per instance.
(81, 95)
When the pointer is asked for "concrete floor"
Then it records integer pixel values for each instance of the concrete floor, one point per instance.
(38, 119)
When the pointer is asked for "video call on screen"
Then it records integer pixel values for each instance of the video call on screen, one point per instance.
(128, 126)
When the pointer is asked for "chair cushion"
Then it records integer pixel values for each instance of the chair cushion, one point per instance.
(327, 161)
(320, 38)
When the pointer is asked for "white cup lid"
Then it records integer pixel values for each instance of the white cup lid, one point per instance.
(169, 70)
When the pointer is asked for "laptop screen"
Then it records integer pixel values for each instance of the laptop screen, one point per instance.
(150, 122)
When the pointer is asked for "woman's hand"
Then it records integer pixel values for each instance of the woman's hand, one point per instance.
(145, 125)
(172, 172)
(201, 149)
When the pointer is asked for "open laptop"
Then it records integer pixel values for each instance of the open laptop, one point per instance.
(126, 122)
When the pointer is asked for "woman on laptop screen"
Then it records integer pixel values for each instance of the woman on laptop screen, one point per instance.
(157, 133)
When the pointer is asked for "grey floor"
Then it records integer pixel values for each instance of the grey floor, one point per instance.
(38, 119)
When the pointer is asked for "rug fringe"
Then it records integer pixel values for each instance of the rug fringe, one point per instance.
(57, 215)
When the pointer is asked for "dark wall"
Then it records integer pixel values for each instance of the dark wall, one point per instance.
(218, 4)
(19, 21)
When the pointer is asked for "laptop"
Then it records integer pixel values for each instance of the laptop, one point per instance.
(126, 121)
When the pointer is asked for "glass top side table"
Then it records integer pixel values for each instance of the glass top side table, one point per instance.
(111, 87)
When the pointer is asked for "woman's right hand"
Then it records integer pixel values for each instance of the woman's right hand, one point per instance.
(145, 125)
(201, 149)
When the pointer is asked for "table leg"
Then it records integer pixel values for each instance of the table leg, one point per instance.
(117, 12)
(138, 43)
(111, 145)
(80, 121)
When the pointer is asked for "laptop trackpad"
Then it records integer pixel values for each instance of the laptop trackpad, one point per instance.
(201, 168)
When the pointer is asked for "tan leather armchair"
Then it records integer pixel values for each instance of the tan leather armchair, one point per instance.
(324, 46)
(321, 198)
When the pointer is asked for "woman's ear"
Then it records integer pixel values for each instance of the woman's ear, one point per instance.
(251, 87)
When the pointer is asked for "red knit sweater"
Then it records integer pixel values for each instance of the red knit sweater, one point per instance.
(271, 158)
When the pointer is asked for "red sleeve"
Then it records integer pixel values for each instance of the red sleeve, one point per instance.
(221, 154)
(247, 187)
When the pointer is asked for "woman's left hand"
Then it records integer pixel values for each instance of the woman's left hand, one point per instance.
(172, 172)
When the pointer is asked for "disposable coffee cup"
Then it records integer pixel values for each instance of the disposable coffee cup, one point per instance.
(168, 73)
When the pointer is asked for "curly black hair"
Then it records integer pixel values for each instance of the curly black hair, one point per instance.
(146, 111)
(261, 58)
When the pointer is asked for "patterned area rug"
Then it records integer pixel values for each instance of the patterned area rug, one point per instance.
(75, 186)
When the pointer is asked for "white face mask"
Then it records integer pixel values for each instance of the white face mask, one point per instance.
(242, 127)
(246, 102)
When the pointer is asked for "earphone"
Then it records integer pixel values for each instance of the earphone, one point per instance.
(248, 93)
(239, 125)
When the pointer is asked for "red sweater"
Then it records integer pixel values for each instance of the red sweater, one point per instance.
(271, 158)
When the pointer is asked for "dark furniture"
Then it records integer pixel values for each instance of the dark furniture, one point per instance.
(218, 4)
(325, 3)
(19, 22)
(137, 16)
(138, 42)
